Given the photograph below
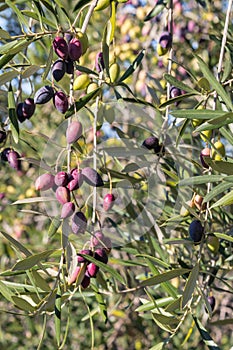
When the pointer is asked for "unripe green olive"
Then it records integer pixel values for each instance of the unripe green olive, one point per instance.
(213, 244)
(114, 72)
(83, 39)
(81, 82)
(206, 135)
(219, 146)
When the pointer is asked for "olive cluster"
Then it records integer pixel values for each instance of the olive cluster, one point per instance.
(68, 52)
(100, 247)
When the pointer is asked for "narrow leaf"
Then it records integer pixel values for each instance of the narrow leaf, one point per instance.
(213, 81)
(12, 115)
(205, 114)
(190, 285)
(225, 200)
(203, 179)
(157, 9)
(223, 236)
(32, 260)
(30, 71)
(81, 103)
(22, 304)
(205, 335)
(6, 292)
(163, 277)
(179, 84)
(217, 190)
(16, 244)
(8, 76)
(133, 66)
(58, 315)
(34, 200)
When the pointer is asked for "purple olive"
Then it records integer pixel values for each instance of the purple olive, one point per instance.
(97, 239)
(196, 231)
(76, 180)
(91, 177)
(2, 136)
(44, 182)
(60, 101)
(74, 132)
(99, 62)
(28, 108)
(69, 66)
(79, 223)
(67, 210)
(43, 95)
(211, 300)
(165, 40)
(92, 270)
(85, 282)
(61, 178)
(109, 200)
(81, 259)
(205, 153)
(75, 49)
(62, 194)
(101, 255)
(151, 142)
(58, 69)
(13, 160)
(19, 112)
(60, 47)
(4, 154)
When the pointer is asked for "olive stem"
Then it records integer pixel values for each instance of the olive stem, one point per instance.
(88, 16)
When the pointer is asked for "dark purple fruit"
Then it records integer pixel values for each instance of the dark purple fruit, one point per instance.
(28, 108)
(196, 231)
(91, 177)
(101, 255)
(151, 142)
(2, 136)
(97, 239)
(44, 182)
(13, 160)
(109, 200)
(4, 154)
(75, 49)
(67, 210)
(43, 95)
(60, 47)
(81, 259)
(75, 179)
(165, 40)
(99, 62)
(62, 194)
(74, 132)
(58, 69)
(79, 223)
(60, 101)
(205, 153)
(85, 282)
(19, 112)
(211, 301)
(61, 178)
(92, 270)
(69, 65)
(174, 92)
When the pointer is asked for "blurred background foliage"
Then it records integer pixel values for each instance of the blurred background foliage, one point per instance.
(139, 316)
